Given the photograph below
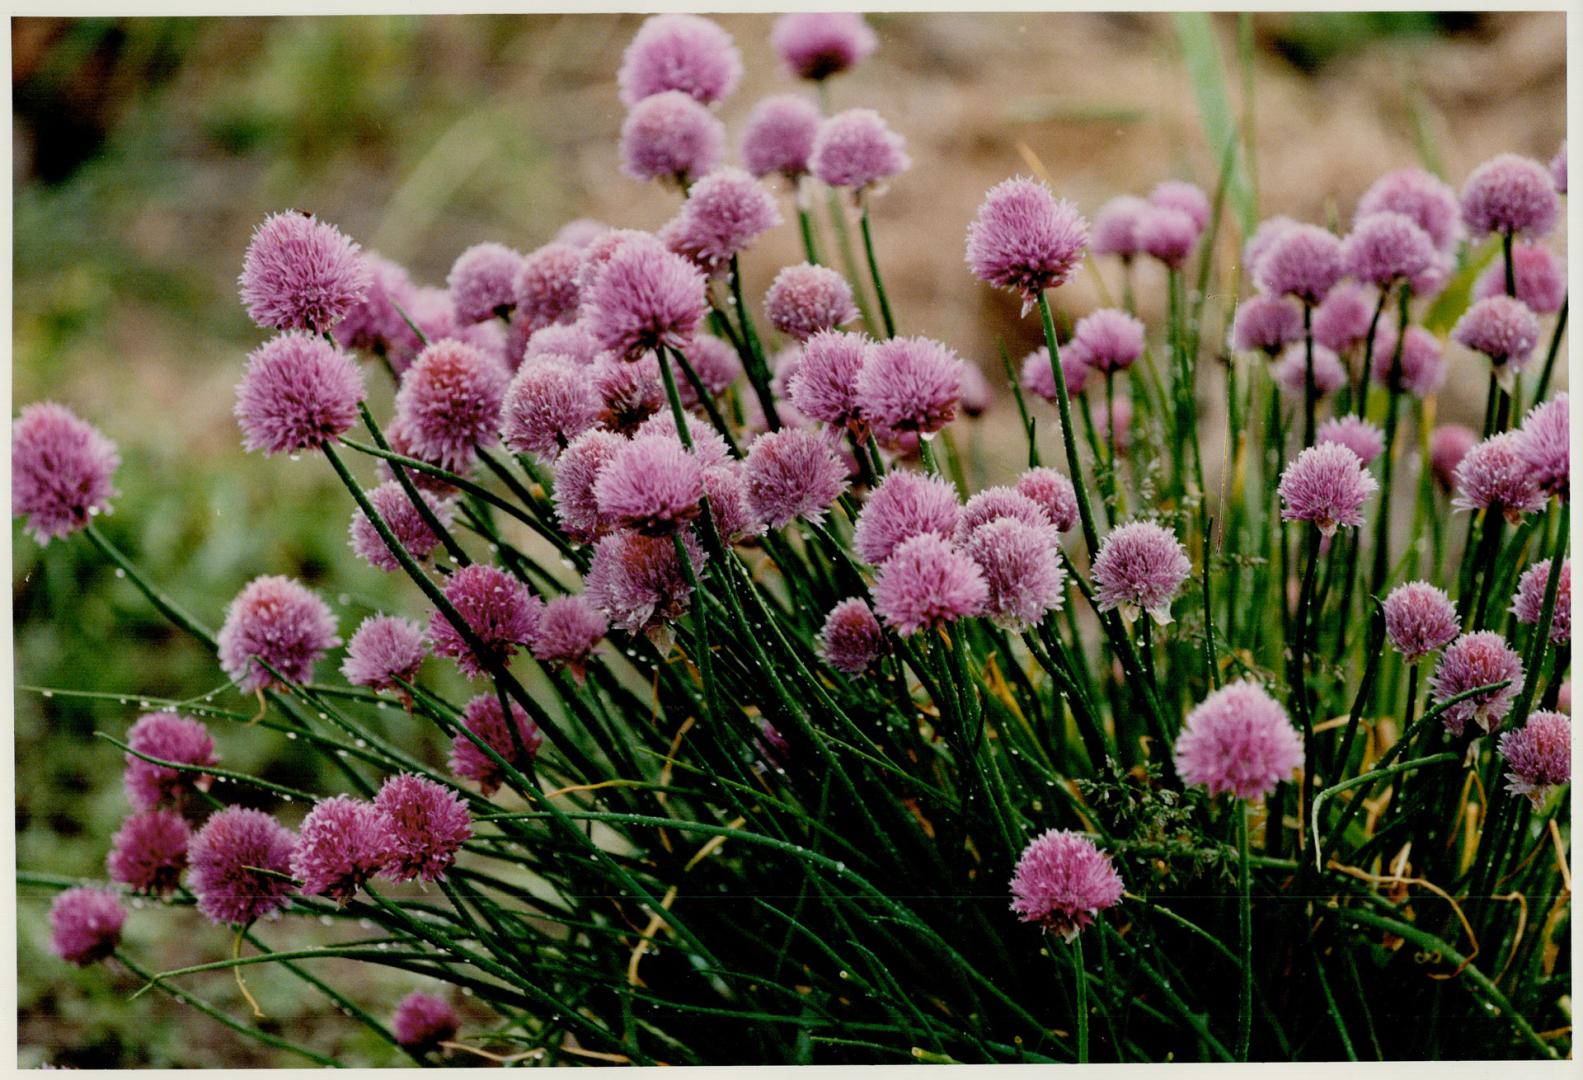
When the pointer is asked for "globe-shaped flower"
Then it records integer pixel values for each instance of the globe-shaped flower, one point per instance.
(1503, 329)
(778, 136)
(1062, 881)
(1291, 371)
(449, 403)
(805, 300)
(927, 582)
(910, 384)
(497, 608)
(483, 282)
(1448, 445)
(576, 470)
(277, 621)
(300, 273)
(724, 213)
(994, 503)
(1539, 274)
(1115, 227)
(1185, 197)
(1510, 194)
(1528, 602)
(730, 510)
(85, 925)
(1037, 378)
(1025, 239)
(1022, 568)
(299, 393)
(168, 737)
(1054, 493)
(1419, 619)
(825, 385)
(241, 866)
(567, 632)
(482, 717)
(61, 470)
(670, 137)
(1167, 234)
(551, 401)
(1429, 201)
(851, 638)
(390, 501)
(384, 648)
(1361, 437)
(1419, 370)
(819, 44)
(683, 53)
(1140, 565)
(856, 149)
(423, 1021)
(1538, 755)
(904, 505)
(149, 852)
(709, 447)
(638, 582)
(546, 287)
(652, 484)
(571, 341)
(372, 323)
(1238, 740)
(1492, 475)
(343, 843)
(1471, 661)
(1302, 261)
(426, 824)
(643, 297)
(1327, 485)
(792, 473)
(1544, 442)
(1111, 338)
(1386, 247)
(1342, 319)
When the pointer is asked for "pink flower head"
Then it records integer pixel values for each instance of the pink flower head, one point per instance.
(546, 287)
(499, 610)
(1432, 280)
(818, 44)
(424, 1021)
(927, 582)
(714, 362)
(1115, 226)
(632, 392)
(1062, 881)
(169, 737)
(730, 509)
(1167, 234)
(1540, 276)
(1492, 475)
(1238, 740)
(643, 297)
(299, 393)
(570, 341)
(1528, 602)
(708, 446)
(1025, 239)
(1342, 319)
(1328, 485)
(1361, 437)
(1538, 755)
(567, 632)
(1054, 493)
(910, 384)
(482, 716)
(1503, 329)
(1140, 565)
(580, 232)
(994, 503)
(1474, 660)
(401, 442)
(1021, 564)
(1419, 370)
(1510, 194)
(1267, 324)
(778, 136)
(280, 622)
(149, 852)
(671, 137)
(551, 400)
(1291, 370)
(300, 273)
(85, 925)
(792, 473)
(372, 323)
(851, 638)
(1448, 445)
(904, 505)
(1544, 442)
(805, 300)
(638, 582)
(1037, 378)
(724, 213)
(61, 470)
(976, 394)
(483, 282)
(343, 843)
(1259, 244)
(1111, 338)
(575, 472)
(229, 859)
(1385, 247)
(652, 484)
(1429, 201)
(398, 512)
(683, 53)
(430, 311)
(384, 648)
(449, 403)
(1186, 197)
(426, 825)
(856, 149)
(1419, 619)
(1558, 168)
(1303, 261)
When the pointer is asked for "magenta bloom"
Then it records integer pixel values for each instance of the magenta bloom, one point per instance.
(724, 213)
(1291, 370)
(1492, 475)
(1342, 319)
(1021, 563)
(1267, 324)
(1361, 437)
(576, 470)
(1062, 881)
(714, 362)
(1025, 239)
(299, 393)
(994, 503)
(499, 610)
(546, 287)
(1328, 485)
(1419, 370)
(1115, 226)
(670, 137)
(483, 282)
(425, 825)
(902, 506)
(708, 446)
(551, 400)
(730, 509)
(1540, 275)
(792, 473)
(1186, 197)
(343, 843)
(1261, 241)
(384, 648)
(818, 44)
(1448, 445)
(1238, 739)
(927, 582)
(1303, 261)
(976, 394)
(567, 632)
(804, 300)
(580, 232)
(910, 384)
(149, 852)
(85, 925)
(1510, 194)
(1429, 201)
(1474, 660)
(1419, 619)
(483, 718)
(281, 622)
(1167, 234)
(1054, 493)
(856, 149)
(1112, 339)
(644, 297)
(652, 484)
(169, 737)
(851, 638)
(423, 1021)
(825, 385)
(1503, 329)
(1528, 602)
(778, 136)
(398, 512)
(569, 341)
(1538, 755)
(449, 403)
(638, 582)
(300, 273)
(1140, 565)
(684, 53)
(1385, 247)
(61, 468)
(226, 858)
(1544, 442)
(631, 391)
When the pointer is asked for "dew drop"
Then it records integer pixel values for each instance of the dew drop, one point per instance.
(120, 573)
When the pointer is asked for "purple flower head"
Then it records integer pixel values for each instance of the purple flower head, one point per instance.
(994, 503)
(1448, 445)
(300, 273)
(546, 287)
(1341, 321)
(927, 582)
(1303, 261)
(638, 582)
(1328, 485)
(1054, 494)
(1528, 602)
(1503, 329)
(730, 509)
(851, 638)
(384, 648)
(1184, 196)
(424, 1021)
(405, 522)
(1021, 564)
(645, 296)
(299, 393)
(1419, 370)
(632, 392)
(792, 473)
(580, 232)
(61, 468)
(1140, 565)
(1291, 370)
(574, 342)
(431, 312)
(483, 282)
(499, 610)
(1492, 475)
(1115, 226)
(426, 824)
(169, 737)
(372, 323)
(1268, 324)
(449, 403)
(1510, 194)
(1419, 619)
(343, 843)
(85, 925)
(1361, 437)
(1429, 201)
(904, 505)
(1025, 239)
(1540, 276)
(401, 442)
(714, 362)
(818, 44)
(709, 447)
(1432, 280)
(551, 400)
(1544, 442)
(910, 384)
(1062, 881)
(778, 136)
(671, 137)
(683, 53)
(1474, 660)
(652, 484)
(149, 852)
(228, 857)
(724, 213)
(482, 716)
(1167, 234)
(280, 622)
(1037, 378)
(575, 472)
(1238, 740)
(567, 632)
(1111, 338)
(856, 149)
(976, 394)
(1538, 755)
(1558, 168)
(1385, 247)
(1259, 244)
(805, 300)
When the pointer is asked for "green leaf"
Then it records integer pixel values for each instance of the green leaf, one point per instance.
(1201, 53)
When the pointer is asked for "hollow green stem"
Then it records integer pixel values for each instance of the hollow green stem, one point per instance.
(873, 269)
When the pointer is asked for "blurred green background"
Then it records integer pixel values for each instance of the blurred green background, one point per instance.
(146, 150)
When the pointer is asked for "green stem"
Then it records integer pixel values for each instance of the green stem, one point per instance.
(873, 269)
(1555, 346)
(165, 605)
(805, 225)
(1245, 926)
(1068, 440)
(1081, 979)
(1541, 634)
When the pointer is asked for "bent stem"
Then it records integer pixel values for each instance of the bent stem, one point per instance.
(236, 954)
